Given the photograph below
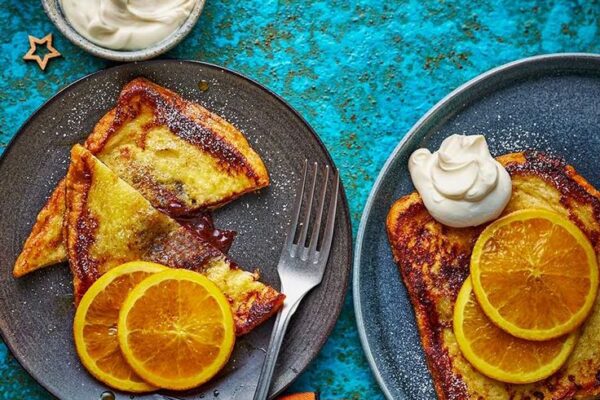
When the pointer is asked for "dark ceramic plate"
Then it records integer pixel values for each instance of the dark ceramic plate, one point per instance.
(550, 103)
(36, 311)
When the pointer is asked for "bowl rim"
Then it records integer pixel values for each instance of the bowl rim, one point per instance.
(53, 10)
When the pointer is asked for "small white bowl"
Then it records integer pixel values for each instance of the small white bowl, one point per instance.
(54, 11)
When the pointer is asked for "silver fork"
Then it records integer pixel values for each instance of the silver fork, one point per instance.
(301, 264)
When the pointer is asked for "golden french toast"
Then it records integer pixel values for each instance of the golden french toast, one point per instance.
(183, 158)
(108, 222)
(434, 262)
(44, 246)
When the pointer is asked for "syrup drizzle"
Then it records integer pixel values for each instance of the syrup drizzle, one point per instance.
(203, 227)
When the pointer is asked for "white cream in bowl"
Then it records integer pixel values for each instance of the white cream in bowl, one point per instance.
(126, 24)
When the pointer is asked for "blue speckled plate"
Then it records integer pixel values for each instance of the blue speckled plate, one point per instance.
(550, 103)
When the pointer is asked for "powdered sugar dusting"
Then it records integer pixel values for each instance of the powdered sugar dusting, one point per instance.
(555, 114)
(276, 133)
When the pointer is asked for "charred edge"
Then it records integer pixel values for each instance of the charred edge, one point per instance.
(170, 112)
(455, 266)
(554, 170)
(145, 129)
(259, 311)
(161, 198)
(551, 385)
(166, 200)
(182, 249)
(177, 209)
(573, 381)
(590, 388)
(449, 385)
(84, 265)
(568, 395)
(169, 203)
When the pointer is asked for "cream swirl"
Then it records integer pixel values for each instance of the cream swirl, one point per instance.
(461, 184)
(126, 24)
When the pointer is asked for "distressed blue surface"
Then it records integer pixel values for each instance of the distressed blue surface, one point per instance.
(361, 72)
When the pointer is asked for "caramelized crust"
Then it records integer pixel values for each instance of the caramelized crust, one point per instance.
(108, 223)
(44, 246)
(180, 156)
(434, 262)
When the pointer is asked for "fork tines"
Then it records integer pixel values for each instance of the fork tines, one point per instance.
(300, 243)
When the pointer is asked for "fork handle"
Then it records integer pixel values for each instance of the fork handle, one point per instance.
(281, 324)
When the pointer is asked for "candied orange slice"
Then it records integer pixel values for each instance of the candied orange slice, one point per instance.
(500, 355)
(534, 274)
(95, 326)
(176, 329)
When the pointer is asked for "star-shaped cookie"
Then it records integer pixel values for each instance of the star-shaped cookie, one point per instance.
(31, 56)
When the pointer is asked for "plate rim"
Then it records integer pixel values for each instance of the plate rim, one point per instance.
(421, 122)
(343, 204)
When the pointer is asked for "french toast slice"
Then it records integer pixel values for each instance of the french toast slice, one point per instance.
(108, 222)
(180, 156)
(44, 246)
(183, 158)
(434, 262)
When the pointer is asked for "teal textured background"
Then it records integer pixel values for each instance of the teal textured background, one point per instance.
(361, 73)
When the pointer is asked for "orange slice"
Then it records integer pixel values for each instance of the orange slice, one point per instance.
(499, 355)
(95, 326)
(176, 329)
(535, 274)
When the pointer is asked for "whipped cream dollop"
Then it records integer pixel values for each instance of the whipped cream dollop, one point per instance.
(126, 24)
(461, 184)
